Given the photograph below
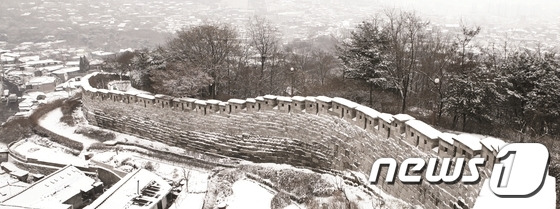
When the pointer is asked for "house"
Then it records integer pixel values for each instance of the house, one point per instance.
(399, 121)
(490, 148)
(422, 135)
(43, 84)
(446, 148)
(66, 188)
(324, 104)
(138, 189)
(344, 108)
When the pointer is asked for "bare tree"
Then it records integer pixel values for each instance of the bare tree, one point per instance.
(209, 47)
(264, 40)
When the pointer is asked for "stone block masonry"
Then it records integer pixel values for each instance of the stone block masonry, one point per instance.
(270, 134)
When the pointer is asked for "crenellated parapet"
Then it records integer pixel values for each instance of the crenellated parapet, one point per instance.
(313, 146)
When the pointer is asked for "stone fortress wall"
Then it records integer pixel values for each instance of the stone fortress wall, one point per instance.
(320, 133)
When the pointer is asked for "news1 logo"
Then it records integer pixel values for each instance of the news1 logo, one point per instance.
(521, 170)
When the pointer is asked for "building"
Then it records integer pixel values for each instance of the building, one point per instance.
(64, 189)
(138, 189)
(43, 84)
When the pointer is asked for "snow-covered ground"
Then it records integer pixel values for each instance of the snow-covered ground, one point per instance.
(51, 121)
(31, 148)
(249, 195)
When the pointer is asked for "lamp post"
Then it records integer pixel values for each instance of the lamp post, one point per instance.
(436, 82)
(292, 86)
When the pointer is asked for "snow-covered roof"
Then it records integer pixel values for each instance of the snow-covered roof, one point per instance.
(236, 101)
(116, 92)
(323, 99)
(403, 117)
(284, 99)
(311, 99)
(213, 101)
(187, 99)
(222, 103)
(251, 100)
(52, 191)
(146, 96)
(259, 98)
(41, 80)
(298, 98)
(386, 117)
(200, 102)
(368, 111)
(493, 144)
(125, 191)
(424, 128)
(269, 96)
(66, 70)
(469, 141)
(163, 96)
(447, 137)
(345, 102)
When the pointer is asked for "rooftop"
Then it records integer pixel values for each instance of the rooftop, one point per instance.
(469, 141)
(284, 99)
(447, 137)
(403, 117)
(41, 80)
(345, 102)
(269, 96)
(138, 189)
(298, 98)
(323, 99)
(368, 111)
(493, 144)
(424, 128)
(53, 190)
(386, 117)
(236, 101)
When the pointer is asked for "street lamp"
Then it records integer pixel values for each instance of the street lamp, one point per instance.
(436, 82)
(292, 87)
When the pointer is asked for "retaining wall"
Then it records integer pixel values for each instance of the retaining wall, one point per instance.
(320, 141)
